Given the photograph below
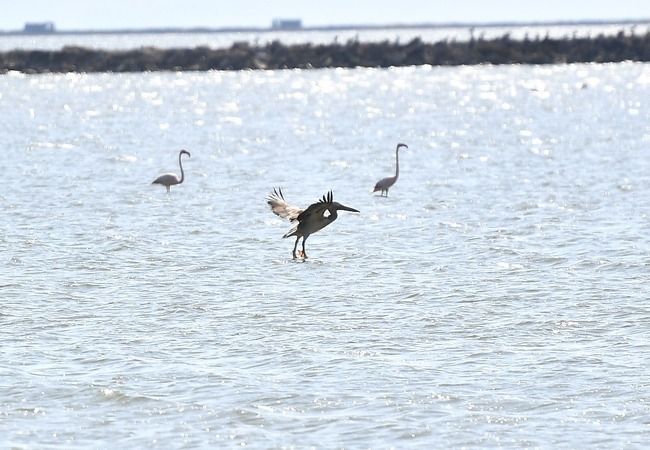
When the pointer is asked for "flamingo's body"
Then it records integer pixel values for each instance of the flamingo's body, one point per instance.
(310, 220)
(385, 183)
(170, 179)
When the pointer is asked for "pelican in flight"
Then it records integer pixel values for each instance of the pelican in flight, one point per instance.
(385, 183)
(317, 215)
(170, 179)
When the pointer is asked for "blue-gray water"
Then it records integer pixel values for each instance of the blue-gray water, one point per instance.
(497, 298)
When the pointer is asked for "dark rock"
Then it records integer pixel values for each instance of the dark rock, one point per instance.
(275, 55)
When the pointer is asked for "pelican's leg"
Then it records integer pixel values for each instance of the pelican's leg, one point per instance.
(295, 246)
(167, 189)
(304, 253)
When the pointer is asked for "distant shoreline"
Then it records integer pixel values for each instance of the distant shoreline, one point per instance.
(345, 27)
(275, 55)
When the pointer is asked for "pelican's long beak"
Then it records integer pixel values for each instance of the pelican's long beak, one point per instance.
(347, 208)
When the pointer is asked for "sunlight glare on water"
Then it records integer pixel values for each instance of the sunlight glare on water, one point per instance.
(497, 297)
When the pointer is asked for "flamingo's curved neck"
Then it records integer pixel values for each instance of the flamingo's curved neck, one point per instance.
(396, 163)
(180, 163)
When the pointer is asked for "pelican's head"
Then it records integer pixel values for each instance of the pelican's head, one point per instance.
(401, 145)
(185, 152)
(336, 206)
(333, 206)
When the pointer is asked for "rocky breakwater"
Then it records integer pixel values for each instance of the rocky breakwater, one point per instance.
(275, 55)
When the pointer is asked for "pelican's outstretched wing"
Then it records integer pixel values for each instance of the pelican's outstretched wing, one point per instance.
(280, 207)
(316, 209)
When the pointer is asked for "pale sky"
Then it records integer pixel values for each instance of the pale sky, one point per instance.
(110, 14)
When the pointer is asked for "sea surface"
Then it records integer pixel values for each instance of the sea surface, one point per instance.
(498, 297)
(118, 41)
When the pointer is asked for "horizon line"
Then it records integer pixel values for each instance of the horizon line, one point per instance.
(342, 27)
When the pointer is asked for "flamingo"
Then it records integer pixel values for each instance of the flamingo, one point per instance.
(385, 183)
(170, 179)
(310, 220)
